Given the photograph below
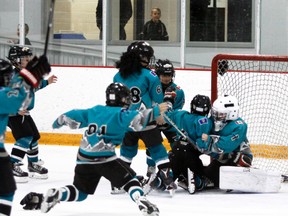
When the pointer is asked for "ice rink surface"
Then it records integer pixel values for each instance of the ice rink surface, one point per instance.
(60, 160)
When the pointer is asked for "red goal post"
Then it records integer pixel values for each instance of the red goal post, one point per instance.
(260, 83)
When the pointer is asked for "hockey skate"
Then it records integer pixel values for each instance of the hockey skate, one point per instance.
(19, 175)
(146, 207)
(171, 189)
(188, 183)
(37, 171)
(152, 183)
(161, 182)
(50, 200)
(203, 183)
(167, 177)
(182, 182)
(116, 190)
(191, 182)
(150, 170)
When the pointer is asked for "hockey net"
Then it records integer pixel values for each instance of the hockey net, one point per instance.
(261, 85)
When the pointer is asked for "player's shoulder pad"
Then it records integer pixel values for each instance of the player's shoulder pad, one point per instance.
(203, 120)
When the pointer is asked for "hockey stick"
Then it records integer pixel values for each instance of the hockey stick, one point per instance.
(50, 21)
(194, 145)
(181, 132)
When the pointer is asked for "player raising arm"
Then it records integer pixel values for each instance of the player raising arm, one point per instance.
(22, 125)
(12, 100)
(96, 158)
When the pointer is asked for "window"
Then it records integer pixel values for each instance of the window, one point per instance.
(221, 20)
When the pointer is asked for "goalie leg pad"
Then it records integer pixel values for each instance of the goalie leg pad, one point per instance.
(249, 179)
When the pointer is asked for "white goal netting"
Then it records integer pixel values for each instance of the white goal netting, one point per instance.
(261, 85)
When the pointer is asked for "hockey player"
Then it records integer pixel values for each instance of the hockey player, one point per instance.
(185, 154)
(23, 127)
(14, 99)
(106, 126)
(166, 73)
(146, 91)
(227, 144)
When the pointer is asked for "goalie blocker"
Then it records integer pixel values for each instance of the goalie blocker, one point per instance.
(249, 179)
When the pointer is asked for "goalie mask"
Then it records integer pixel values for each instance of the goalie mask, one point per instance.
(119, 95)
(225, 108)
(6, 72)
(17, 54)
(200, 105)
(144, 51)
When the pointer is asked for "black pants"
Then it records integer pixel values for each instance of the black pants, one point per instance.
(87, 176)
(183, 157)
(23, 126)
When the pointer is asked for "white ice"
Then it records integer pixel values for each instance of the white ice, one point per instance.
(60, 160)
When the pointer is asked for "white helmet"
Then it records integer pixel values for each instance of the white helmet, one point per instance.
(224, 108)
(226, 105)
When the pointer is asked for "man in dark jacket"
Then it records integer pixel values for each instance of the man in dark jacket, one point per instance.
(125, 15)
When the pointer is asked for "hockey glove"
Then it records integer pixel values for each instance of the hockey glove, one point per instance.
(32, 201)
(213, 146)
(242, 160)
(169, 96)
(64, 120)
(59, 122)
(35, 70)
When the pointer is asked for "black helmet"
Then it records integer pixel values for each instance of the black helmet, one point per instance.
(6, 72)
(163, 67)
(117, 94)
(16, 53)
(142, 49)
(200, 105)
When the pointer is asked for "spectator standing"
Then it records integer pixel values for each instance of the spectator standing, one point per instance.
(125, 15)
(27, 41)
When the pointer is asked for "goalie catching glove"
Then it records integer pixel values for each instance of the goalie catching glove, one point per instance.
(35, 70)
(32, 201)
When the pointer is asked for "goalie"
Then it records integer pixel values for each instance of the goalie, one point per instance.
(226, 143)
(228, 146)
